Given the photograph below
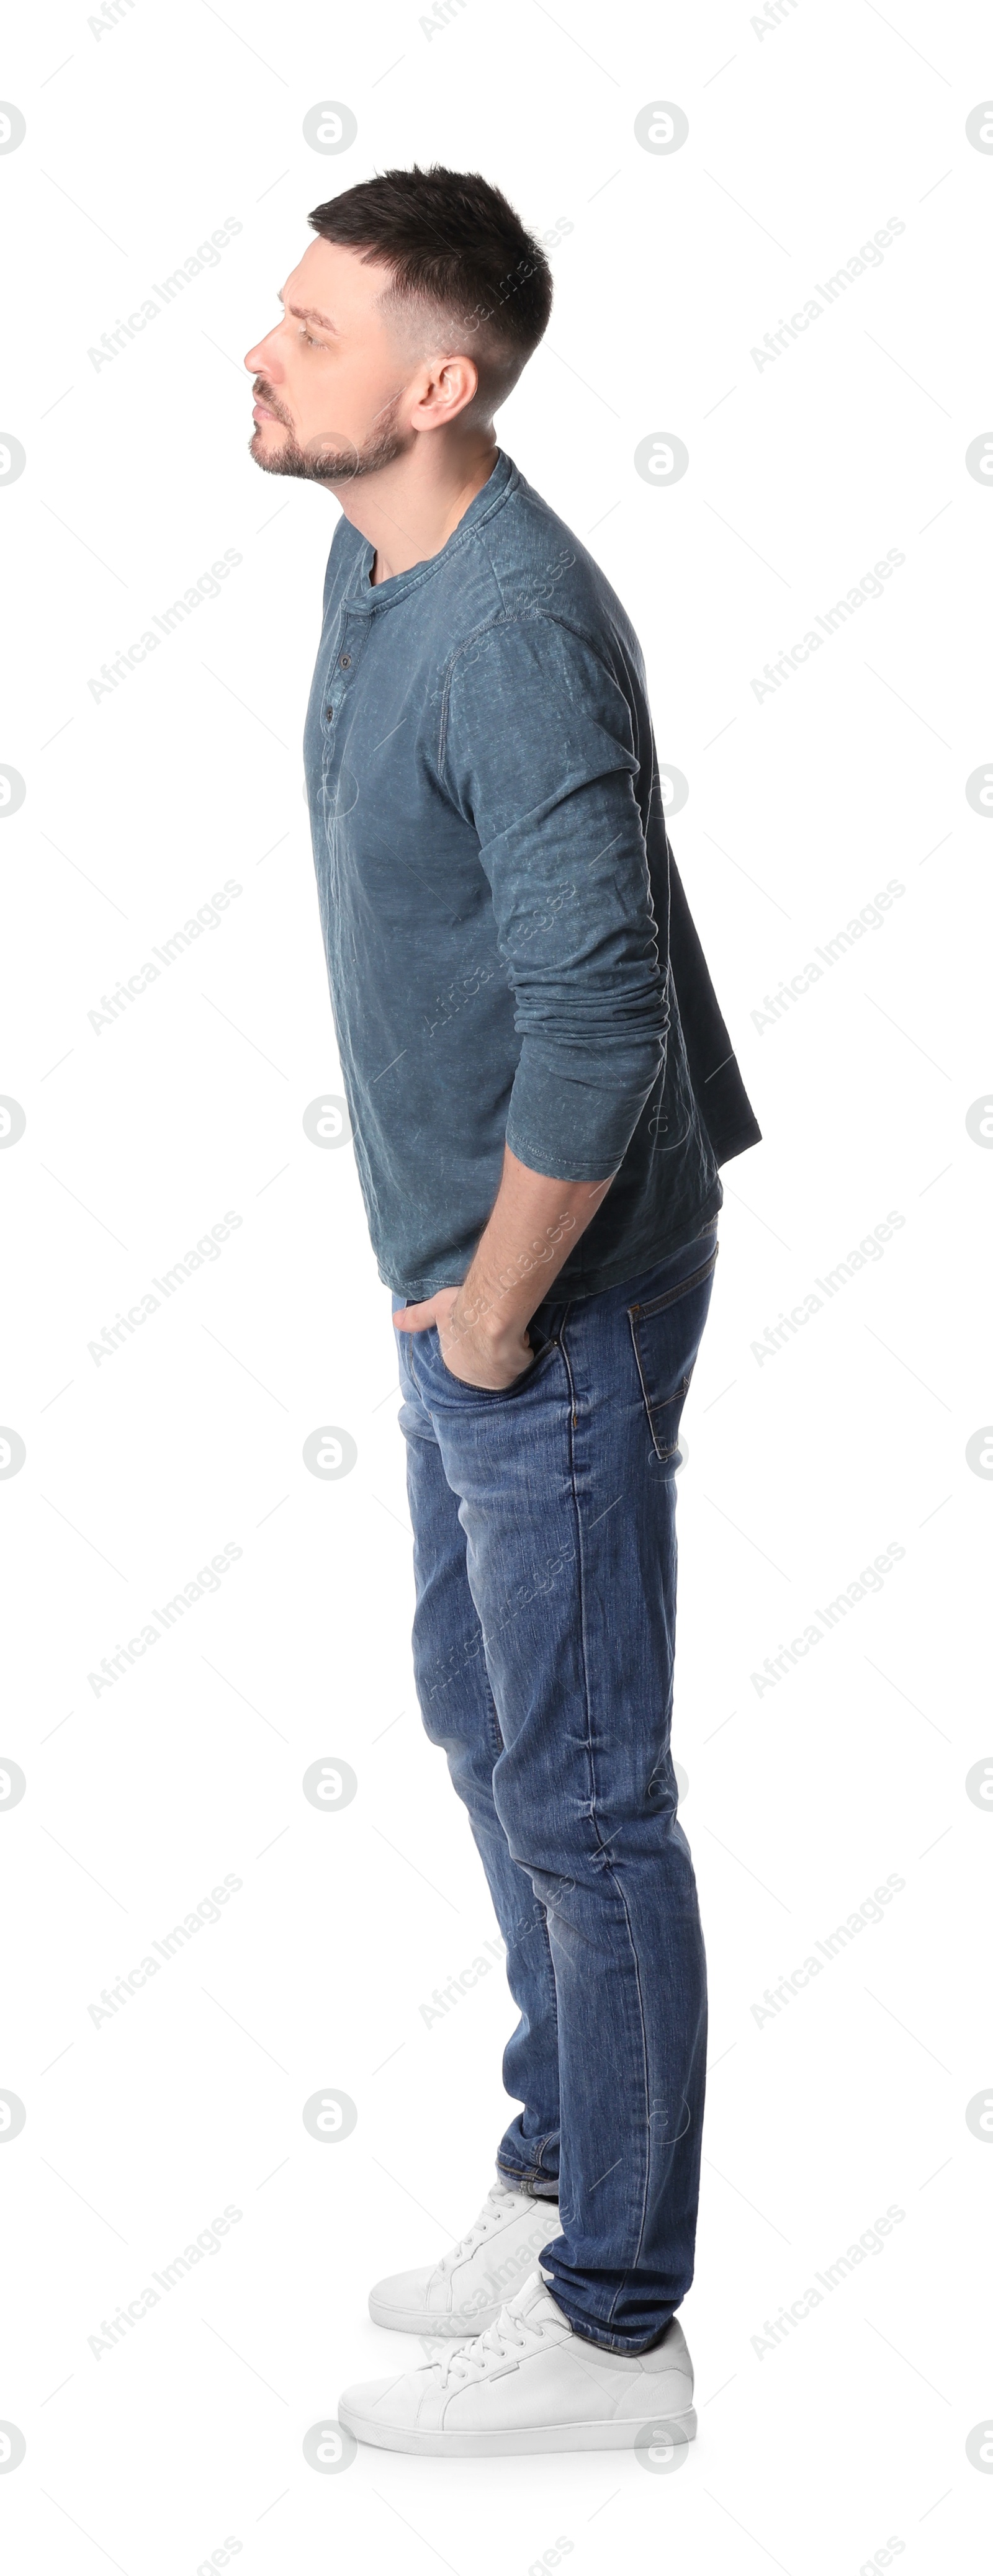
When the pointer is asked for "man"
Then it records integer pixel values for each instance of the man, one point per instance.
(541, 1089)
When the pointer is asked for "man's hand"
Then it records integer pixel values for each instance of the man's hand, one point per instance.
(468, 1350)
(482, 1326)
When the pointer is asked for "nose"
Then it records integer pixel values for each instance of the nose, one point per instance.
(262, 360)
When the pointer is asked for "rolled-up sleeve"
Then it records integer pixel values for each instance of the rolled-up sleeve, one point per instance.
(537, 751)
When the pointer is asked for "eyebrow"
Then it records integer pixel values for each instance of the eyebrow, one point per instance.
(307, 313)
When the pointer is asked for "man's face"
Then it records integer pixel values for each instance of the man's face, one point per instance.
(330, 377)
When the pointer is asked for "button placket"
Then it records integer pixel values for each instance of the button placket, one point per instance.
(336, 687)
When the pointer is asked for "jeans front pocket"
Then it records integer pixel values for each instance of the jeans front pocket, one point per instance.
(495, 1394)
(666, 1332)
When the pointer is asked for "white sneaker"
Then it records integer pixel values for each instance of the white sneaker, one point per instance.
(466, 2290)
(530, 2384)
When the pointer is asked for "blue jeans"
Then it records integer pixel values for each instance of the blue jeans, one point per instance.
(545, 1572)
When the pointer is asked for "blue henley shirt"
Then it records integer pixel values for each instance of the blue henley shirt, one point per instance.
(494, 884)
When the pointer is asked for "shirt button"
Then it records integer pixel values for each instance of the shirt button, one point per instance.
(345, 661)
(329, 712)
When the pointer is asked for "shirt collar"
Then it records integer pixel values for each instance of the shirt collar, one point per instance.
(368, 598)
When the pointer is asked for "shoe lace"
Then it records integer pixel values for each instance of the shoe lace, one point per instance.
(509, 2334)
(492, 2210)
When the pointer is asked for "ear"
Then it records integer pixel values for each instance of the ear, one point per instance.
(450, 386)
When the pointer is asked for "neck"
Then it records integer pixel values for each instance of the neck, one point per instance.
(408, 510)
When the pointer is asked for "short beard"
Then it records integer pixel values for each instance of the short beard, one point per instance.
(334, 459)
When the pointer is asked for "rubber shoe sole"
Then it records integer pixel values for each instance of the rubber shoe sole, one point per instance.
(444, 2326)
(519, 2439)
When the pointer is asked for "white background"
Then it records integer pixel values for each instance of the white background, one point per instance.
(801, 1469)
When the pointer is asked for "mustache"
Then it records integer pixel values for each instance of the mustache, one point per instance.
(261, 393)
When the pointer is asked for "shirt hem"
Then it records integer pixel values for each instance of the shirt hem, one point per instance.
(632, 1256)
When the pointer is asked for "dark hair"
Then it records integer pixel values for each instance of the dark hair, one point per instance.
(463, 264)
